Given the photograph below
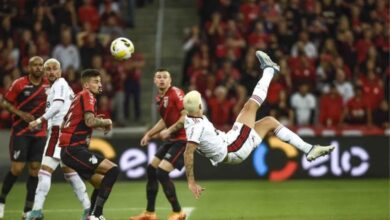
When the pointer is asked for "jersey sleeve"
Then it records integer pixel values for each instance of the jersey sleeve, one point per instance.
(13, 92)
(194, 132)
(88, 102)
(179, 99)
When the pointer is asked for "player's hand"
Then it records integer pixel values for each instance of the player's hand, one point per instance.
(145, 140)
(108, 127)
(27, 117)
(165, 134)
(195, 189)
(33, 125)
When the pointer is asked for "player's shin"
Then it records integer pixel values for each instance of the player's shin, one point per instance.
(290, 137)
(78, 188)
(32, 183)
(44, 183)
(260, 92)
(169, 189)
(151, 188)
(8, 182)
(105, 190)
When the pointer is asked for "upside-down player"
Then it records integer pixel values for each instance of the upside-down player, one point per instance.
(236, 145)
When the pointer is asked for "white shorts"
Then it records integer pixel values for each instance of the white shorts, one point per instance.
(241, 140)
(52, 154)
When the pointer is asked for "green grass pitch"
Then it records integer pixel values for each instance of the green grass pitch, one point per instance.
(233, 199)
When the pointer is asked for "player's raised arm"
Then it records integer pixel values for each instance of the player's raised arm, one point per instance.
(159, 126)
(189, 164)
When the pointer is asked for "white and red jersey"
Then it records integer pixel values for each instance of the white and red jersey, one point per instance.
(211, 142)
(235, 145)
(59, 91)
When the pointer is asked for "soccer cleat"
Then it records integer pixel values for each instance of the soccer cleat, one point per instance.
(24, 215)
(265, 61)
(177, 216)
(85, 214)
(145, 216)
(92, 217)
(2, 210)
(34, 215)
(318, 151)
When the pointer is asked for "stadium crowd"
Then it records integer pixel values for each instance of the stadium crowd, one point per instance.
(77, 33)
(333, 54)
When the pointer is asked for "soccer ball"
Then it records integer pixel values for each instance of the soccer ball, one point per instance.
(122, 48)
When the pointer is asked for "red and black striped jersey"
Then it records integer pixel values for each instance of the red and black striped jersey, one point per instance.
(170, 106)
(74, 131)
(30, 98)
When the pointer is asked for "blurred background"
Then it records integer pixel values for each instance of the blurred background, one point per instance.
(333, 86)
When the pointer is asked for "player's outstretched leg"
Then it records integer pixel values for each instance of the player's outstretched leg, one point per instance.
(312, 152)
(247, 115)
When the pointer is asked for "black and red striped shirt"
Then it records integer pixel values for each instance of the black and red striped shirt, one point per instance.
(74, 131)
(30, 98)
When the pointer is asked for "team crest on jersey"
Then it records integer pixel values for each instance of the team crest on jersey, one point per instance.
(165, 101)
(27, 93)
(16, 154)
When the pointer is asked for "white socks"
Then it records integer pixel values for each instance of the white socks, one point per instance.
(260, 92)
(78, 188)
(44, 183)
(290, 137)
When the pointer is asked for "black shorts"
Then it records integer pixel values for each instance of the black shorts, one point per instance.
(172, 151)
(26, 148)
(83, 161)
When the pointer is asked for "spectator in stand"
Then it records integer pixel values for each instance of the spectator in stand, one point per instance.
(282, 110)
(331, 107)
(73, 79)
(357, 111)
(304, 43)
(104, 107)
(88, 13)
(303, 102)
(66, 52)
(227, 73)
(65, 15)
(89, 47)
(221, 109)
(344, 87)
(112, 28)
(372, 89)
(5, 116)
(381, 115)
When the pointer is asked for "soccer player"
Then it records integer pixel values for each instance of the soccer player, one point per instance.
(169, 155)
(59, 99)
(235, 146)
(75, 136)
(26, 100)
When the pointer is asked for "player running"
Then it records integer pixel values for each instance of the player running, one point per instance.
(59, 99)
(170, 155)
(235, 146)
(25, 99)
(75, 136)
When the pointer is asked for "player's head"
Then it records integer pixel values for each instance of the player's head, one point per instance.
(162, 79)
(52, 69)
(91, 80)
(193, 103)
(35, 66)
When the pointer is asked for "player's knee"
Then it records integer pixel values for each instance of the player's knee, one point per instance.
(162, 175)
(16, 171)
(151, 171)
(270, 122)
(114, 172)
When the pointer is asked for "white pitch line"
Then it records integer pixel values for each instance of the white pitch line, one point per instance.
(188, 211)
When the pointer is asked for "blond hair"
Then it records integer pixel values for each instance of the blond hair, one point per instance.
(52, 60)
(192, 101)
